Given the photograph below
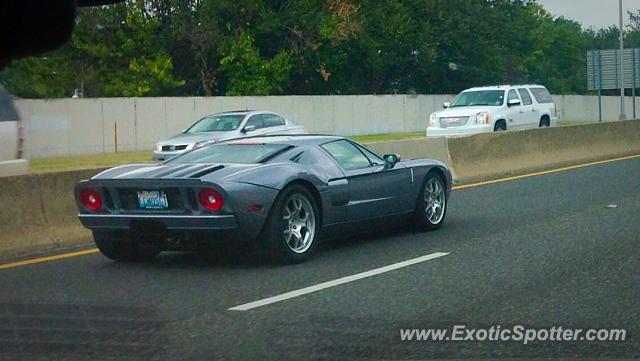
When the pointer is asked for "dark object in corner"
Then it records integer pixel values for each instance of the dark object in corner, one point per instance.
(30, 27)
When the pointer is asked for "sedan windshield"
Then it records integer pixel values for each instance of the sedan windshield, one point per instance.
(481, 97)
(216, 123)
(243, 153)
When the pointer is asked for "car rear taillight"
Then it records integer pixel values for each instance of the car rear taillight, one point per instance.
(210, 199)
(91, 199)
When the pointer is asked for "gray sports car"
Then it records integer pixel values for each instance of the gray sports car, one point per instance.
(279, 191)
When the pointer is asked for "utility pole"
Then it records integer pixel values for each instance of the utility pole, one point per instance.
(623, 116)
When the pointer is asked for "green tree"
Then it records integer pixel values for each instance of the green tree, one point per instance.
(249, 74)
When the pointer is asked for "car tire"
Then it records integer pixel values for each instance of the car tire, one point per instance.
(291, 231)
(122, 249)
(544, 122)
(500, 126)
(432, 202)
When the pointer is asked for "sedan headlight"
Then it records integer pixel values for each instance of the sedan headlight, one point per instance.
(483, 118)
(433, 120)
(158, 147)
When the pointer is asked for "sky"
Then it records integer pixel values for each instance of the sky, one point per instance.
(591, 13)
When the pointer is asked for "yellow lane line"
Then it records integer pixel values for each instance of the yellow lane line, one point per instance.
(47, 258)
(464, 186)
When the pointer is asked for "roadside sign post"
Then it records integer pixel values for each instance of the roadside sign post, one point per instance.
(633, 88)
(593, 63)
(623, 116)
(604, 68)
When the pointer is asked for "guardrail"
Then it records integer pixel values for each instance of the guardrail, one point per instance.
(39, 211)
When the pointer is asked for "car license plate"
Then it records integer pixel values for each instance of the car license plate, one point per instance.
(152, 200)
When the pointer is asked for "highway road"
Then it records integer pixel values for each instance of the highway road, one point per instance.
(561, 249)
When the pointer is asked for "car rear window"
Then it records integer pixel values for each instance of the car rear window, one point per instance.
(542, 95)
(243, 153)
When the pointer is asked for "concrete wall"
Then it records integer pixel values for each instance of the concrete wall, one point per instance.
(585, 108)
(84, 126)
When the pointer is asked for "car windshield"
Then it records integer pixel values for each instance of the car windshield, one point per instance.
(216, 123)
(480, 97)
(243, 153)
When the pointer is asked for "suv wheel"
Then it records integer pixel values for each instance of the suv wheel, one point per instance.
(544, 122)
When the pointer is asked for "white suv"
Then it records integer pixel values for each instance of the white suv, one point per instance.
(495, 108)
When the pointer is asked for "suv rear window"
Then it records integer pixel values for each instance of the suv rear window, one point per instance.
(542, 95)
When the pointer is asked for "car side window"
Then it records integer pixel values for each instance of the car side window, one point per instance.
(542, 95)
(526, 98)
(512, 96)
(272, 120)
(256, 120)
(346, 154)
(373, 157)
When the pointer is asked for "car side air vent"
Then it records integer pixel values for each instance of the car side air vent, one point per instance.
(206, 171)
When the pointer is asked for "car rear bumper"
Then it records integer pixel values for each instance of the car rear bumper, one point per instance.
(169, 222)
(453, 131)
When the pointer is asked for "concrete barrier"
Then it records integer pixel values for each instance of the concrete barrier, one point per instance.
(432, 148)
(39, 212)
(14, 167)
(494, 155)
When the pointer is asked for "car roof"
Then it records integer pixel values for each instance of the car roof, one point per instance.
(293, 139)
(504, 87)
(244, 112)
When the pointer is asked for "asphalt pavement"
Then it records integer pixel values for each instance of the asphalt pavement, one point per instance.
(561, 249)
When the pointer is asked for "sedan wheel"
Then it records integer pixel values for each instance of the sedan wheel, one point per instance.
(434, 200)
(431, 207)
(291, 230)
(300, 221)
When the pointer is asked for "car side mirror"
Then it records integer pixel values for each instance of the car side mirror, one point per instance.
(446, 105)
(248, 128)
(390, 160)
(513, 102)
